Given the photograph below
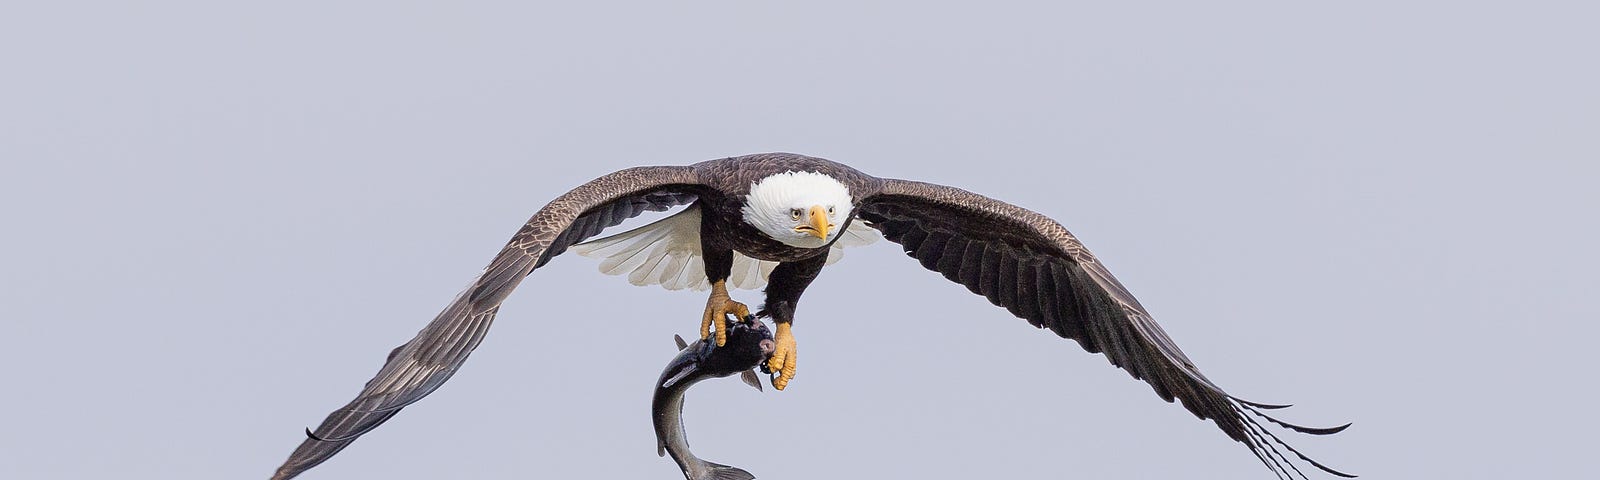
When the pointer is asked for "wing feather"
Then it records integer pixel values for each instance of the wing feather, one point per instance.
(989, 279)
(415, 369)
(972, 266)
(1037, 270)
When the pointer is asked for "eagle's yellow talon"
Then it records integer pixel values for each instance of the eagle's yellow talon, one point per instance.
(718, 307)
(783, 357)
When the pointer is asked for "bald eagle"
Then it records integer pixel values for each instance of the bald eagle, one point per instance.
(777, 219)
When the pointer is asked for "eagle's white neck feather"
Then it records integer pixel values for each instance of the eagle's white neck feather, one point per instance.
(771, 200)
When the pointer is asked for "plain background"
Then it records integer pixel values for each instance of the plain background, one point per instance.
(218, 218)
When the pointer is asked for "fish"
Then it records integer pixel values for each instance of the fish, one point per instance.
(749, 345)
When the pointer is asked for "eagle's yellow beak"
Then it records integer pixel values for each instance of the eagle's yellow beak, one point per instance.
(819, 222)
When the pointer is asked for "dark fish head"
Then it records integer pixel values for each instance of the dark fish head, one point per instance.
(749, 344)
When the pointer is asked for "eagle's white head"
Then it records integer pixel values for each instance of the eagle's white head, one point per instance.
(800, 209)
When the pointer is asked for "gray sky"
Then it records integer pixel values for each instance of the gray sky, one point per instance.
(220, 218)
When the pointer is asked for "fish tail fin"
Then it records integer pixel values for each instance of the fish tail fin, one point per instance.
(717, 471)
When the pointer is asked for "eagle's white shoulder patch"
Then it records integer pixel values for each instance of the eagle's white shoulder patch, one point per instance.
(667, 253)
(858, 234)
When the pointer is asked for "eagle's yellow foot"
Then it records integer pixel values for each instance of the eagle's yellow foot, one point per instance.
(718, 307)
(783, 357)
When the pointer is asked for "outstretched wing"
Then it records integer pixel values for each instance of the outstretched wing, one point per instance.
(1036, 269)
(415, 369)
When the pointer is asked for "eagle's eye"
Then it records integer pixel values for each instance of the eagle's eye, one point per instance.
(830, 209)
(795, 213)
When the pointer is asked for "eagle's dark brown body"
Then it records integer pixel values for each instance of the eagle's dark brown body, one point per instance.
(1017, 259)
